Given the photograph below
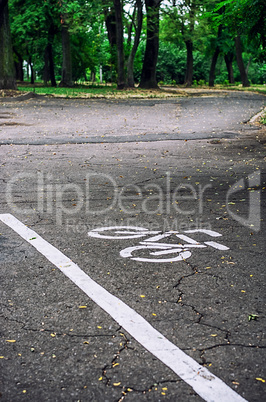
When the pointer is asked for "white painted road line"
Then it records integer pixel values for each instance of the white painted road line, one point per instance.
(204, 383)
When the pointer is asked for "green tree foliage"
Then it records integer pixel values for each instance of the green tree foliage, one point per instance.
(244, 17)
(33, 26)
(181, 41)
(183, 26)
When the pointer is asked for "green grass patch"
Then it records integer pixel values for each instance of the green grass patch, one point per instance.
(109, 91)
(95, 91)
(263, 119)
(70, 92)
(252, 88)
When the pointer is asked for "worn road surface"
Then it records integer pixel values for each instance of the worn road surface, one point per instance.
(132, 249)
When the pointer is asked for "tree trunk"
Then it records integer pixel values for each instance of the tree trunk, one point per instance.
(214, 59)
(7, 67)
(188, 26)
(51, 64)
(66, 79)
(50, 54)
(17, 70)
(31, 71)
(248, 65)
(85, 75)
(110, 22)
(148, 74)
(46, 67)
(130, 62)
(130, 25)
(240, 63)
(189, 68)
(28, 71)
(19, 66)
(228, 58)
(120, 45)
(213, 65)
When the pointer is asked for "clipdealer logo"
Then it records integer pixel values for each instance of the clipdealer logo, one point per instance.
(100, 194)
(253, 219)
(48, 195)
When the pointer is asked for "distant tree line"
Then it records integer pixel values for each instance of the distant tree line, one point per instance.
(144, 42)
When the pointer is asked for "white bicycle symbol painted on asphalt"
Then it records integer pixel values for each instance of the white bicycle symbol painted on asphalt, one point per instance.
(170, 251)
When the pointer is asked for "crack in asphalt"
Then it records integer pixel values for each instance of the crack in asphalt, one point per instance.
(71, 335)
(114, 363)
(126, 389)
(204, 350)
(194, 309)
(232, 344)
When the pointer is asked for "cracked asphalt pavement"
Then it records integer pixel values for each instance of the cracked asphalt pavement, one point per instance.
(69, 167)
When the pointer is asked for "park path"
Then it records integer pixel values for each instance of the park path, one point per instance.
(200, 197)
(45, 120)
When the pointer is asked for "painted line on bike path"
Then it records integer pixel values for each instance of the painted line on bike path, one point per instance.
(204, 383)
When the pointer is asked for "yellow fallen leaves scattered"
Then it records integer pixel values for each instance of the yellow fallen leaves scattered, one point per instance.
(116, 384)
(11, 340)
(82, 306)
(260, 379)
(142, 295)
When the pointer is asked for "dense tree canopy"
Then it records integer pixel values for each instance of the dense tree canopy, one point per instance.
(133, 42)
